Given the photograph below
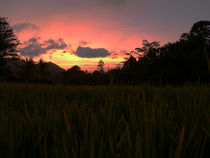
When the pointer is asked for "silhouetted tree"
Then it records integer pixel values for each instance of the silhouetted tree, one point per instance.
(27, 71)
(43, 74)
(186, 61)
(148, 51)
(74, 75)
(141, 66)
(101, 66)
(130, 63)
(8, 44)
(99, 78)
(200, 31)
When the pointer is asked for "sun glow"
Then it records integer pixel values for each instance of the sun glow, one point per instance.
(96, 34)
(67, 60)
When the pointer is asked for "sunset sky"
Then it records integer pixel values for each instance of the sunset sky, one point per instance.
(81, 32)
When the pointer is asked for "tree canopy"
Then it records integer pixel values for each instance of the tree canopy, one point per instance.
(8, 40)
(8, 46)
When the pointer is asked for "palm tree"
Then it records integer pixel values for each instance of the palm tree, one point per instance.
(27, 70)
(43, 74)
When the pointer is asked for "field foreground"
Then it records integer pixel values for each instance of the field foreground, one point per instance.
(104, 121)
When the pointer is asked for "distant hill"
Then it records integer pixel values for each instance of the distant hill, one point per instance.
(52, 68)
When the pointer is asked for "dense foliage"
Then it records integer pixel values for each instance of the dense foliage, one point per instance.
(185, 61)
(8, 44)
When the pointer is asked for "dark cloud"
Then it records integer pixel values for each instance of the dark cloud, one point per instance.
(83, 43)
(24, 26)
(52, 44)
(33, 47)
(87, 52)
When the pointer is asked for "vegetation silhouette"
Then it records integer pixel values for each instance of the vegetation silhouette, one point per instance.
(27, 71)
(8, 47)
(186, 61)
(101, 66)
(182, 62)
(74, 75)
(44, 75)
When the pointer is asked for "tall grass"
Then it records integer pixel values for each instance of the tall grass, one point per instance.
(104, 121)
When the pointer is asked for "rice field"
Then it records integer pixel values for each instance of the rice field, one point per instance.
(104, 121)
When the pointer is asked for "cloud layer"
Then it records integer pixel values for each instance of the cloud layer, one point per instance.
(33, 47)
(24, 26)
(87, 52)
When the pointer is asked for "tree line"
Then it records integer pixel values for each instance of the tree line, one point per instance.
(186, 61)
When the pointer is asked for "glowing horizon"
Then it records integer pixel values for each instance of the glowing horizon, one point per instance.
(113, 39)
(68, 60)
(108, 27)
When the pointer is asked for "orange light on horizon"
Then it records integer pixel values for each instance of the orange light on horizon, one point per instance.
(100, 33)
(67, 60)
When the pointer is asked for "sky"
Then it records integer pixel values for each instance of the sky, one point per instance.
(82, 32)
